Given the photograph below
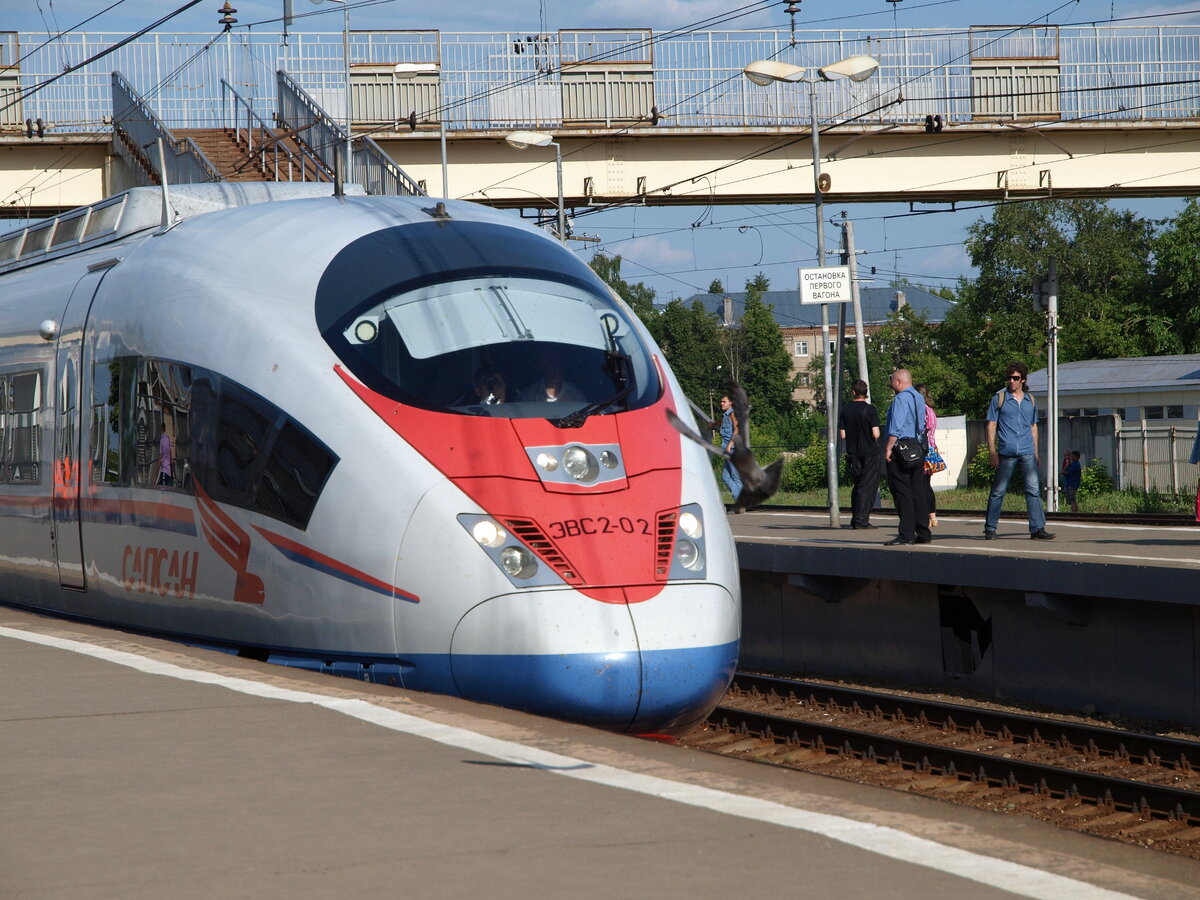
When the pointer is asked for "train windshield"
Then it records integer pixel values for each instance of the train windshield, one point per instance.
(509, 347)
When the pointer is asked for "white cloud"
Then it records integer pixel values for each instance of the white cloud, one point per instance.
(1163, 9)
(655, 253)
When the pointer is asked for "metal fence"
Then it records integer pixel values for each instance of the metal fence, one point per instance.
(1156, 457)
(616, 77)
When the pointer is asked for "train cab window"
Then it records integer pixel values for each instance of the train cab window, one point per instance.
(22, 427)
(511, 347)
(169, 426)
(476, 318)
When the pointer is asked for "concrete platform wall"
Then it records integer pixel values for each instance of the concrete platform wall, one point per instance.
(1130, 658)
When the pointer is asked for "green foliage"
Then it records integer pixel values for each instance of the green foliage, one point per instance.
(979, 470)
(715, 286)
(1103, 257)
(806, 471)
(638, 296)
(688, 338)
(766, 368)
(1176, 293)
(1095, 479)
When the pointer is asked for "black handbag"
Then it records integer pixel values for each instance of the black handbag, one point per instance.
(909, 452)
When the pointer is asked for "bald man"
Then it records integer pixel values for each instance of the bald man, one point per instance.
(906, 421)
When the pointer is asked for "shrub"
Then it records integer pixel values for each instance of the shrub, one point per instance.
(1095, 479)
(806, 471)
(979, 470)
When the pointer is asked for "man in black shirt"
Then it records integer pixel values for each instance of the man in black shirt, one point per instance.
(858, 426)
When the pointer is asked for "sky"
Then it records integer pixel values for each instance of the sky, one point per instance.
(679, 251)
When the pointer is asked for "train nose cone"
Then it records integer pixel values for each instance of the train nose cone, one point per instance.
(688, 636)
(623, 667)
(554, 653)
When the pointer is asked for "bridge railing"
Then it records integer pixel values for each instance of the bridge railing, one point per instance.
(266, 145)
(137, 130)
(369, 165)
(615, 78)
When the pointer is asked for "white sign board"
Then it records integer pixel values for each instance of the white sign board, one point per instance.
(828, 285)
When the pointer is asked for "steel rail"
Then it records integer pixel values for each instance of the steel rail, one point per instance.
(1149, 749)
(1104, 790)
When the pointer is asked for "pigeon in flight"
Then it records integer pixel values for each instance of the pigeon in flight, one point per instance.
(758, 483)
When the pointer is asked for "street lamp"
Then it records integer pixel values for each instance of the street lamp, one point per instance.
(856, 68)
(407, 72)
(346, 62)
(524, 139)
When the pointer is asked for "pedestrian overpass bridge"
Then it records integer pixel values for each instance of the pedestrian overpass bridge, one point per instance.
(981, 113)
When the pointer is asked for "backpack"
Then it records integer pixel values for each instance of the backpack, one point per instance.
(1003, 392)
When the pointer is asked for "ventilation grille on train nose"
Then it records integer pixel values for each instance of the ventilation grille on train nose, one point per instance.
(664, 543)
(536, 540)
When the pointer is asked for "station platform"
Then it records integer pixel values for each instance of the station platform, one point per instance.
(140, 768)
(1126, 562)
(1105, 618)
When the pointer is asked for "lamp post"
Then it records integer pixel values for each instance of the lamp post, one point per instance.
(346, 63)
(524, 139)
(856, 68)
(407, 72)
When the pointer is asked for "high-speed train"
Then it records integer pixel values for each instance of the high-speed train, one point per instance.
(410, 441)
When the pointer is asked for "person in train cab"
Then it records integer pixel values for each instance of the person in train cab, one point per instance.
(165, 470)
(552, 384)
(1012, 438)
(728, 428)
(858, 426)
(1071, 475)
(490, 388)
(906, 422)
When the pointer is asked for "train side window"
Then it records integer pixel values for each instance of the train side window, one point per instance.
(106, 422)
(23, 434)
(163, 399)
(243, 428)
(292, 480)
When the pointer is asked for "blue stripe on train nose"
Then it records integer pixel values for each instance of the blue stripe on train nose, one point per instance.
(623, 691)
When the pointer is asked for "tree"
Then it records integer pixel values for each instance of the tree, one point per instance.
(1176, 293)
(688, 338)
(715, 286)
(638, 296)
(766, 367)
(1103, 257)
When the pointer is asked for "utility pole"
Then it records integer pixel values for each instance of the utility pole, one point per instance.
(1045, 298)
(860, 338)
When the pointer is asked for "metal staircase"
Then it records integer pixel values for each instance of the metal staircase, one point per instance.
(305, 144)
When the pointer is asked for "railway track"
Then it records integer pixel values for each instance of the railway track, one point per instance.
(1125, 778)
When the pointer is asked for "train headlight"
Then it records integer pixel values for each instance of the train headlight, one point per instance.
(689, 524)
(689, 555)
(580, 464)
(609, 460)
(488, 533)
(518, 562)
(547, 461)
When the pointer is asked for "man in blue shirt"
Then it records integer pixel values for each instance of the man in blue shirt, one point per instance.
(1012, 437)
(906, 421)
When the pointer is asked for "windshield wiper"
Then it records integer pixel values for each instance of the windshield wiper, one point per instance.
(616, 365)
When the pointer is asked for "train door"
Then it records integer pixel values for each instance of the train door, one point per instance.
(68, 429)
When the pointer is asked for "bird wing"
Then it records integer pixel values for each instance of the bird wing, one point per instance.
(741, 409)
(683, 428)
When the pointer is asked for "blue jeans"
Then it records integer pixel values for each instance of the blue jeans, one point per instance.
(1033, 495)
(733, 481)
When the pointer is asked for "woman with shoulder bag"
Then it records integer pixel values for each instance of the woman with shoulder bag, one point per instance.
(933, 458)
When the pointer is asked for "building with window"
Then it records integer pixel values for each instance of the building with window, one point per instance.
(800, 325)
(1143, 388)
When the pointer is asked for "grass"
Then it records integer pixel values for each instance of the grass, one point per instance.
(974, 499)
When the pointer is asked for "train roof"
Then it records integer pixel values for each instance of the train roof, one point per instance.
(139, 209)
